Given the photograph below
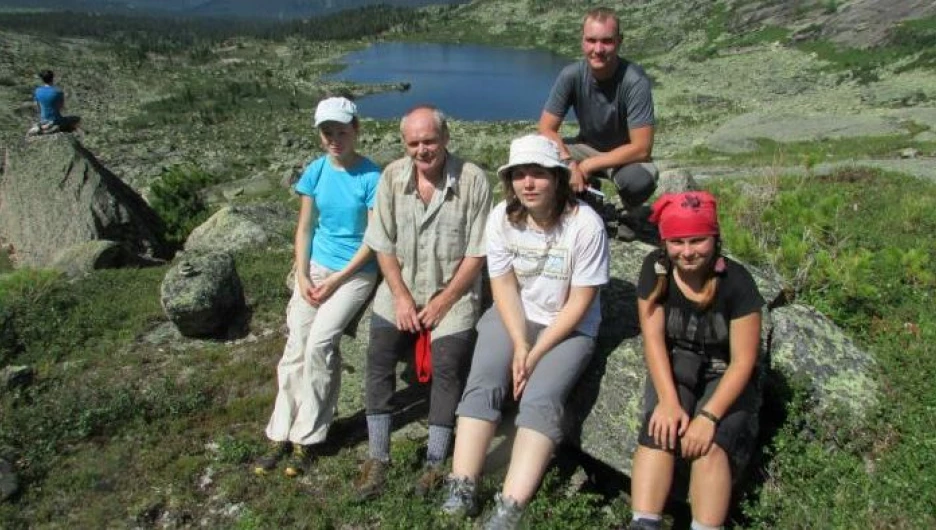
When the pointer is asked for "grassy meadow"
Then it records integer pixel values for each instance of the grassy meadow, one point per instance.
(124, 427)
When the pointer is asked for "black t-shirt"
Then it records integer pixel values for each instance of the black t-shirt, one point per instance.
(703, 332)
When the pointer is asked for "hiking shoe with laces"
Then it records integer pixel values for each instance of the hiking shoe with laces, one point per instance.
(461, 497)
(506, 514)
(370, 483)
(432, 477)
(268, 460)
(299, 461)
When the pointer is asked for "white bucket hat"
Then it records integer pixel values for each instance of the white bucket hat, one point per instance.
(533, 149)
(342, 110)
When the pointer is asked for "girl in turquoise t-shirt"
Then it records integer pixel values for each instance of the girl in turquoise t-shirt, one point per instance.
(335, 274)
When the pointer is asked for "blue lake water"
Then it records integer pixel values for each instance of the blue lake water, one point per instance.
(468, 82)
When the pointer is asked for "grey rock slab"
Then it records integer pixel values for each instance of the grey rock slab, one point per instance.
(237, 228)
(676, 181)
(808, 347)
(83, 258)
(740, 134)
(921, 167)
(925, 116)
(55, 194)
(202, 294)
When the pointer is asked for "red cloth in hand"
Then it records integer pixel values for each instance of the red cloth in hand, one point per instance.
(424, 356)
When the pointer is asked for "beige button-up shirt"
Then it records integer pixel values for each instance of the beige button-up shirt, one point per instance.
(430, 240)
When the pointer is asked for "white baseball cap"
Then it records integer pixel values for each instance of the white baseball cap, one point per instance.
(342, 110)
(533, 149)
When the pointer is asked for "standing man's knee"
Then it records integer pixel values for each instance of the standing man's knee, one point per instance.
(635, 183)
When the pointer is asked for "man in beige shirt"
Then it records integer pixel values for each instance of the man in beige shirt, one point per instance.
(428, 233)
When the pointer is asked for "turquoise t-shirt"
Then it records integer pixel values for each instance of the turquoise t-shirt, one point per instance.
(342, 198)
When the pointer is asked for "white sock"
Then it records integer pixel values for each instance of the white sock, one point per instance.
(696, 525)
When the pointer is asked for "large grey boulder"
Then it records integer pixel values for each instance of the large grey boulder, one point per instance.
(808, 348)
(239, 227)
(605, 412)
(55, 194)
(676, 180)
(202, 294)
(78, 260)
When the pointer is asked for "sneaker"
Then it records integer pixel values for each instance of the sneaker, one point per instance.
(432, 477)
(299, 461)
(645, 524)
(268, 460)
(506, 514)
(370, 483)
(461, 498)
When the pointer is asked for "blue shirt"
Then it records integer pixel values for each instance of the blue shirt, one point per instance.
(342, 198)
(50, 99)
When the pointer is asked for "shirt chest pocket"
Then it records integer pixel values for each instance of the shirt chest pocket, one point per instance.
(451, 238)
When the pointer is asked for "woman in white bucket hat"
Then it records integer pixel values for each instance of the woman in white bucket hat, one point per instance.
(548, 258)
(335, 274)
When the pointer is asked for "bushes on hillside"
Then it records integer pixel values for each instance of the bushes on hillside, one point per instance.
(175, 197)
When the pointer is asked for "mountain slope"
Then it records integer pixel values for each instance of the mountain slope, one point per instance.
(218, 8)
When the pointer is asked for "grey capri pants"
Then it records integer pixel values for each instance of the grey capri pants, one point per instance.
(543, 400)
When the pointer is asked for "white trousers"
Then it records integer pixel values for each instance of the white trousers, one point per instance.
(309, 374)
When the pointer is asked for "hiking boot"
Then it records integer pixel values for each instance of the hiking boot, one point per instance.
(370, 483)
(268, 460)
(432, 477)
(506, 514)
(461, 497)
(299, 461)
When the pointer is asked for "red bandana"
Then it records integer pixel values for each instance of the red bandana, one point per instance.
(688, 214)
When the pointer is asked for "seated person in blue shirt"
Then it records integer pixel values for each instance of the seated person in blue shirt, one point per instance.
(50, 101)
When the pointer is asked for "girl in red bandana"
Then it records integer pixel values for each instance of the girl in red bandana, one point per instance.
(700, 319)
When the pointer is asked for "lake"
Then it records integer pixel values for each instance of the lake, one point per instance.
(468, 82)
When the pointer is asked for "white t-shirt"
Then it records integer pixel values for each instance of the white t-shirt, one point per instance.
(546, 264)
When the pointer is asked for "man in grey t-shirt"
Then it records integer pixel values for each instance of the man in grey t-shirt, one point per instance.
(612, 101)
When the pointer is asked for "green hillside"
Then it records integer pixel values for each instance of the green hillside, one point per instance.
(126, 426)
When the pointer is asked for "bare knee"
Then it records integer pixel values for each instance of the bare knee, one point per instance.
(714, 461)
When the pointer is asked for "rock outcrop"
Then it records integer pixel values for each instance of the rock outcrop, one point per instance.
(55, 194)
(202, 294)
(239, 227)
(97, 254)
(740, 134)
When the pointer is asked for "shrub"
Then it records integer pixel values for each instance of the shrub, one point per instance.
(175, 197)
